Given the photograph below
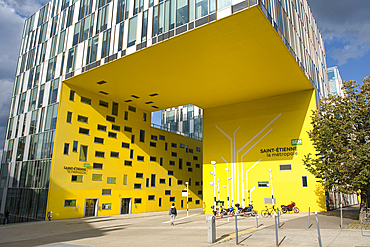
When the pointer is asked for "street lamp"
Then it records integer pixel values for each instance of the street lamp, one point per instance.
(227, 184)
(218, 188)
(187, 199)
(214, 182)
(272, 190)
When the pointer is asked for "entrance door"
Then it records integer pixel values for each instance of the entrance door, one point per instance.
(126, 206)
(90, 207)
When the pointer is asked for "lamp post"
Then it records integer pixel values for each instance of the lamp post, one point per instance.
(214, 182)
(187, 199)
(272, 190)
(227, 185)
(218, 189)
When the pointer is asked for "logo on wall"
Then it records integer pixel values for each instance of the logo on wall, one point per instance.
(279, 151)
(78, 170)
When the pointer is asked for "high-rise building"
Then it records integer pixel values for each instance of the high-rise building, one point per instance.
(335, 81)
(89, 73)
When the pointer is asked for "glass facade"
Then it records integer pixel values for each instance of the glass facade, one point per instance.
(335, 81)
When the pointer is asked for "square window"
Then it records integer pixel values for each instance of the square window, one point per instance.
(153, 137)
(174, 154)
(195, 157)
(151, 197)
(190, 199)
(137, 201)
(85, 100)
(82, 119)
(179, 182)
(128, 163)
(161, 137)
(140, 158)
(112, 134)
(162, 181)
(106, 192)
(190, 169)
(72, 95)
(181, 145)
(172, 199)
(97, 177)
(197, 183)
(167, 192)
(114, 154)
(116, 127)
(103, 103)
(99, 140)
(153, 144)
(153, 159)
(66, 149)
(200, 192)
(99, 154)
(102, 127)
(111, 180)
(139, 175)
(197, 202)
(125, 145)
(98, 166)
(69, 117)
(84, 131)
(137, 186)
(172, 163)
(174, 145)
(110, 119)
(197, 149)
(190, 150)
(106, 206)
(188, 163)
(76, 178)
(197, 165)
(170, 173)
(69, 203)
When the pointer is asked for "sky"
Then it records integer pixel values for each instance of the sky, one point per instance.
(344, 25)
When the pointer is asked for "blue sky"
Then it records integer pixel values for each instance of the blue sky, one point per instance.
(344, 25)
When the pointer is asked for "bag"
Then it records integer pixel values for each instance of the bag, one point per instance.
(173, 210)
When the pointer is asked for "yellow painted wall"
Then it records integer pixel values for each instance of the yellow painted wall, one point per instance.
(253, 127)
(61, 187)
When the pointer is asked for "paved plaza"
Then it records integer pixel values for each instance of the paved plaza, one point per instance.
(154, 229)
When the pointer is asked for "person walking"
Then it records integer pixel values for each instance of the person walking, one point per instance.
(6, 217)
(173, 214)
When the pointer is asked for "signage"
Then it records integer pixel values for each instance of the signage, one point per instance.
(185, 193)
(78, 170)
(296, 142)
(87, 165)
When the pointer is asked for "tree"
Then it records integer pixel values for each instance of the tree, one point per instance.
(341, 137)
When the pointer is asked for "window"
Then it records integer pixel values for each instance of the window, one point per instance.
(151, 197)
(161, 161)
(195, 157)
(170, 173)
(153, 159)
(197, 202)
(114, 154)
(304, 182)
(140, 158)
(174, 154)
(75, 146)
(82, 119)
(197, 149)
(190, 150)
(128, 129)
(197, 183)
(102, 127)
(167, 192)
(76, 178)
(188, 163)
(153, 144)
(179, 182)
(115, 109)
(285, 167)
(144, 117)
(172, 199)
(132, 31)
(189, 181)
(110, 119)
(162, 181)
(69, 117)
(132, 139)
(172, 163)
(190, 169)
(147, 182)
(131, 108)
(66, 149)
(99, 140)
(263, 184)
(126, 115)
(125, 145)
(83, 153)
(137, 201)
(139, 175)
(125, 179)
(99, 154)
(181, 145)
(97, 166)
(69, 203)
(165, 146)
(152, 181)
(116, 127)
(199, 192)
(111, 180)
(153, 137)
(142, 136)
(128, 163)
(112, 134)
(106, 206)
(160, 199)
(85, 100)
(72, 95)
(106, 192)
(180, 164)
(137, 186)
(163, 138)
(84, 131)
(197, 165)
(103, 103)
(131, 153)
(97, 177)
(190, 199)
(174, 145)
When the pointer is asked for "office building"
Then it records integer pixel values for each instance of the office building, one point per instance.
(335, 81)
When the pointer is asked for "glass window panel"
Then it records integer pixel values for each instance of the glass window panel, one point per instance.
(72, 53)
(181, 12)
(172, 13)
(201, 8)
(223, 4)
(191, 10)
(145, 26)
(212, 6)
(155, 20)
(76, 33)
(160, 18)
(132, 31)
(83, 153)
(61, 41)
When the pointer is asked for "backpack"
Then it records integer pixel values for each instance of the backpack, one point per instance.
(173, 210)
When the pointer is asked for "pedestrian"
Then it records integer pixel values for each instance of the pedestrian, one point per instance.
(50, 215)
(6, 217)
(173, 214)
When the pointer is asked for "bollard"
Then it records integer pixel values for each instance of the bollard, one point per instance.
(211, 228)
(276, 231)
(318, 229)
(341, 216)
(236, 229)
(278, 216)
(256, 221)
(309, 213)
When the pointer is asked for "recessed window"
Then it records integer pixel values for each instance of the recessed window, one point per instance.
(161, 137)
(285, 167)
(197, 149)
(128, 163)
(111, 180)
(147, 183)
(167, 192)
(127, 129)
(142, 136)
(83, 153)
(137, 186)
(197, 183)
(304, 182)
(172, 163)
(102, 127)
(110, 119)
(85, 100)
(126, 115)
(103, 103)
(131, 108)
(188, 163)
(197, 165)
(69, 203)
(170, 173)
(165, 146)
(172, 199)
(197, 202)
(179, 182)
(169, 181)
(151, 197)
(153, 144)
(82, 119)
(140, 158)
(190, 199)
(139, 175)
(153, 158)
(75, 146)
(112, 134)
(190, 150)
(174, 154)
(190, 169)
(161, 161)
(137, 201)
(114, 154)
(153, 137)
(181, 145)
(115, 109)
(125, 179)
(72, 95)
(106, 192)
(84, 131)
(98, 166)
(99, 154)
(69, 117)
(116, 127)
(99, 140)
(195, 157)
(125, 145)
(106, 206)
(263, 184)
(162, 181)
(66, 149)
(76, 178)
(174, 145)
(97, 177)
(144, 117)
(152, 180)
(131, 153)
(132, 139)
(200, 192)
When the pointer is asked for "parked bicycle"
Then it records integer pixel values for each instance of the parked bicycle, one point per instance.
(269, 211)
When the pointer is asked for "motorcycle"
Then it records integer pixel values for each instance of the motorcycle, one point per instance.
(289, 208)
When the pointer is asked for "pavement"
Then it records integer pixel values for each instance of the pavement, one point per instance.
(154, 229)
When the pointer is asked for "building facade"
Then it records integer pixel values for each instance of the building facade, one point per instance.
(335, 81)
(132, 53)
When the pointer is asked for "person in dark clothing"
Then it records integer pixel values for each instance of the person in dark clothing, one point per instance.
(6, 217)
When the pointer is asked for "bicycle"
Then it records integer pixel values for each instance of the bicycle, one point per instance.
(269, 211)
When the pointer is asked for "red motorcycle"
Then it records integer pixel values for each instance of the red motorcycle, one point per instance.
(289, 208)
